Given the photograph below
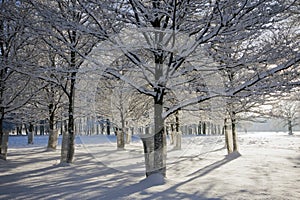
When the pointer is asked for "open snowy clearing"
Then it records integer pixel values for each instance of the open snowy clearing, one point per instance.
(268, 168)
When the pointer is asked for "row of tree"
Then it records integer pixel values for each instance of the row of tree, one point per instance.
(220, 57)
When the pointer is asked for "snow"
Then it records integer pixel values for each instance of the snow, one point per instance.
(266, 168)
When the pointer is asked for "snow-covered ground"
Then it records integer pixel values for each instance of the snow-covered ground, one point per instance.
(268, 168)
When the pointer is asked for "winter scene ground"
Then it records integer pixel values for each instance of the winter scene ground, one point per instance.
(266, 168)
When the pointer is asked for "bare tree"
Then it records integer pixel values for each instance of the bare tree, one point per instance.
(288, 110)
(167, 40)
(63, 25)
(119, 102)
(16, 57)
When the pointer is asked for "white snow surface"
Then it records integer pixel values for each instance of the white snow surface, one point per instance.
(267, 167)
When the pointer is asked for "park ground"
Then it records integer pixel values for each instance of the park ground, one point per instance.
(268, 167)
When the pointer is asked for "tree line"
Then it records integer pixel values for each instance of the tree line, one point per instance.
(155, 58)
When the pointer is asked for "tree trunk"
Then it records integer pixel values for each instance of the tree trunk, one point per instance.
(4, 145)
(178, 134)
(1, 133)
(199, 128)
(71, 133)
(160, 153)
(227, 136)
(172, 134)
(30, 134)
(26, 129)
(120, 139)
(148, 144)
(64, 146)
(3, 140)
(53, 133)
(121, 134)
(233, 132)
(204, 128)
(155, 144)
(68, 143)
(290, 127)
(107, 127)
(42, 127)
(19, 129)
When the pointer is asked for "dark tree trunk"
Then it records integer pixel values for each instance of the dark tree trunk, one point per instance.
(30, 133)
(53, 133)
(68, 144)
(204, 128)
(42, 127)
(3, 140)
(19, 129)
(177, 132)
(71, 133)
(1, 134)
(290, 127)
(199, 128)
(26, 129)
(107, 127)
(234, 133)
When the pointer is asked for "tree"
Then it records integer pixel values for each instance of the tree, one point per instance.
(288, 110)
(61, 32)
(240, 60)
(167, 43)
(16, 57)
(120, 103)
(64, 31)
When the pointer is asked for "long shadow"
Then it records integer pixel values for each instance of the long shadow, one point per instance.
(88, 179)
(171, 191)
(183, 158)
(69, 182)
(141, 188)
(215, 165)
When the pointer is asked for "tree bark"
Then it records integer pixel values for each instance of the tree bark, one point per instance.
(160, 153)
(71, 133)
(233, 132)
(4, 145)
(121, 134)
(120, 139)
(178, 134)
(290, 127)
(107, 127)
(3, 140)
(1, 133)
(42, 127)
(204, 128)
(30, 133)
(53, 133)
(199, 128)
(68, 144)
(227, 138)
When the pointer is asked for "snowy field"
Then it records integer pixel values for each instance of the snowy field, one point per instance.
(268, 168)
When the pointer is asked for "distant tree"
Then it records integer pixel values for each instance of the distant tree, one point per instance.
(241, 60)
(121, 103)
(287, 110)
